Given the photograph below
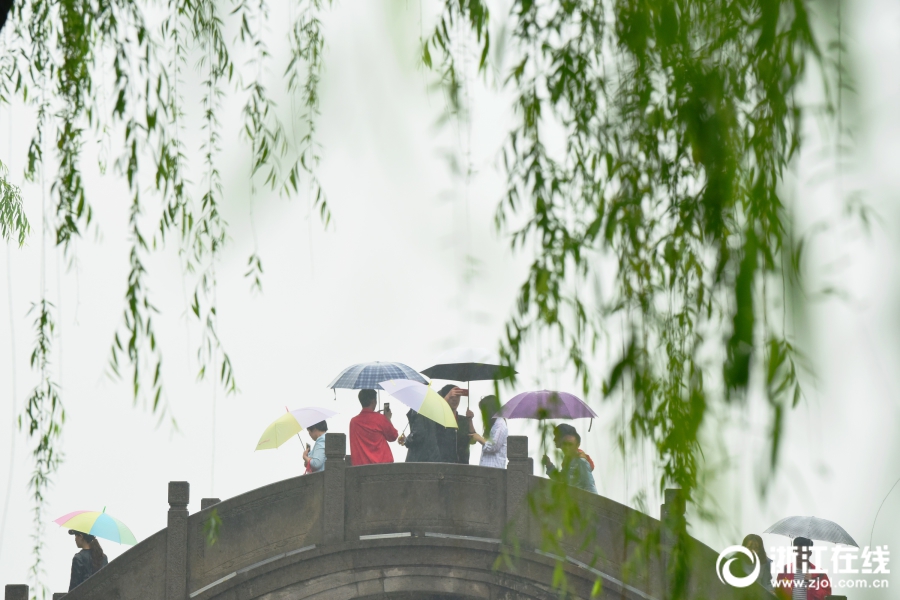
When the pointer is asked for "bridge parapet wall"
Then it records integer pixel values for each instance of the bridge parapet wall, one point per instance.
(291, 526)
(266, 522)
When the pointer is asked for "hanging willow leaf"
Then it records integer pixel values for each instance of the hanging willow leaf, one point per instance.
(678, 120)
(13, 221)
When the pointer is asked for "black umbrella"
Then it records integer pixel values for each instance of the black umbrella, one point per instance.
(468, 364)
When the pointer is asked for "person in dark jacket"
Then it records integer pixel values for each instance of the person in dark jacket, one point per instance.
(453, 444)
(88, 561)
(422, 442)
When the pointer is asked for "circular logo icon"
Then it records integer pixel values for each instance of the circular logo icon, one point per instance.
(724, 570)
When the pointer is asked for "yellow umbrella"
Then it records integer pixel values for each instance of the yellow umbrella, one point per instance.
(422, 399)
(290, 424)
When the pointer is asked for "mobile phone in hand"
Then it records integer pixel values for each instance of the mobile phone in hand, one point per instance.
(463, 392)
(307, 448)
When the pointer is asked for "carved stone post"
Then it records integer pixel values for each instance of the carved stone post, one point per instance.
(16, 591)
(518, 472)
(672, 521)
(58, 595)
(176, 540)
(207, 502)
(671, 515)
(335, 465)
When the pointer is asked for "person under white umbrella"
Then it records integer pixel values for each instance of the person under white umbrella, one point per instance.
(803, 582)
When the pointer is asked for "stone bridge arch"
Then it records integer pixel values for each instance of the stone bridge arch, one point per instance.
(398, 531)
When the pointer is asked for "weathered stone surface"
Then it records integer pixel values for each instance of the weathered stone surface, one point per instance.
(16, 591)
(208, 503)
(333, 501)
(179, 494)
(177, 540)
(420, 497)
(517, 447)
(280, 517)
(518, 476)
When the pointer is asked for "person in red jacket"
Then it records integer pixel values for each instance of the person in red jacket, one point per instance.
(370, 433)
(799, 582)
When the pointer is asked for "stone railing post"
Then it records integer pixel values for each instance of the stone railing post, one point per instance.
(335, 465)
(518, 471)
(16, 591)
(58, 595)
(177, 540)
(672, 521)
(671, 516)
(207, 502)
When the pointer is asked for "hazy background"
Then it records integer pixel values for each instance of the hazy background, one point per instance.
(410, 266)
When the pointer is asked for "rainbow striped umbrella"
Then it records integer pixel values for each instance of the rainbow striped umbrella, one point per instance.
(98, 524)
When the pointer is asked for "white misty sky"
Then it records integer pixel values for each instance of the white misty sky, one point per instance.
(387, 281)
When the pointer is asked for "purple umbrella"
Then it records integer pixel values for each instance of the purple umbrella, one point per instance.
(546, 405)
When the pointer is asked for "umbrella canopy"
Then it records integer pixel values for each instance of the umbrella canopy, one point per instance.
(422, 399)
(290, 424)
(98, 524)
(812, 528)
(367, 376)
(546, 405)
(468, 364)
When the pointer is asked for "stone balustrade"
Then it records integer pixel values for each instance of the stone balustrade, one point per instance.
(394, 529)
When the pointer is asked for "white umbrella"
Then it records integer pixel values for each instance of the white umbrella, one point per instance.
(307, 417)
(812, 528)
(422, 399)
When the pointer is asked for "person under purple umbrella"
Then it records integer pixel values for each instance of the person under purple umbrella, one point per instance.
(574, 469)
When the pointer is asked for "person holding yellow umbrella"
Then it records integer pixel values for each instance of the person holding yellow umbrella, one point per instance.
(291, 423)
(315, 459)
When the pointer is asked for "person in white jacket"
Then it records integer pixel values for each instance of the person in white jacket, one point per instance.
(493, 452)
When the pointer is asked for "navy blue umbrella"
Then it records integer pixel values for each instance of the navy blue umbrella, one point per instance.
(367, 376)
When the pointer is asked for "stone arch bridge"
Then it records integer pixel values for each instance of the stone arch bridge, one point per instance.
(396, 531)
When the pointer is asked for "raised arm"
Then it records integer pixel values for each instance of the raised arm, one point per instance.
(388, 430)
(498, 438)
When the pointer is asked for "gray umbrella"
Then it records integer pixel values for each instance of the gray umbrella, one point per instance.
(812, 528)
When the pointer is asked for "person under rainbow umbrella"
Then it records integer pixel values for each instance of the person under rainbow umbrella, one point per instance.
(97, 524)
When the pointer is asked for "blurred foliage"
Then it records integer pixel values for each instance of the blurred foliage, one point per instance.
(95, 70)
(211, 527)
(44, 417)
(646, 166)
(13, 221)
